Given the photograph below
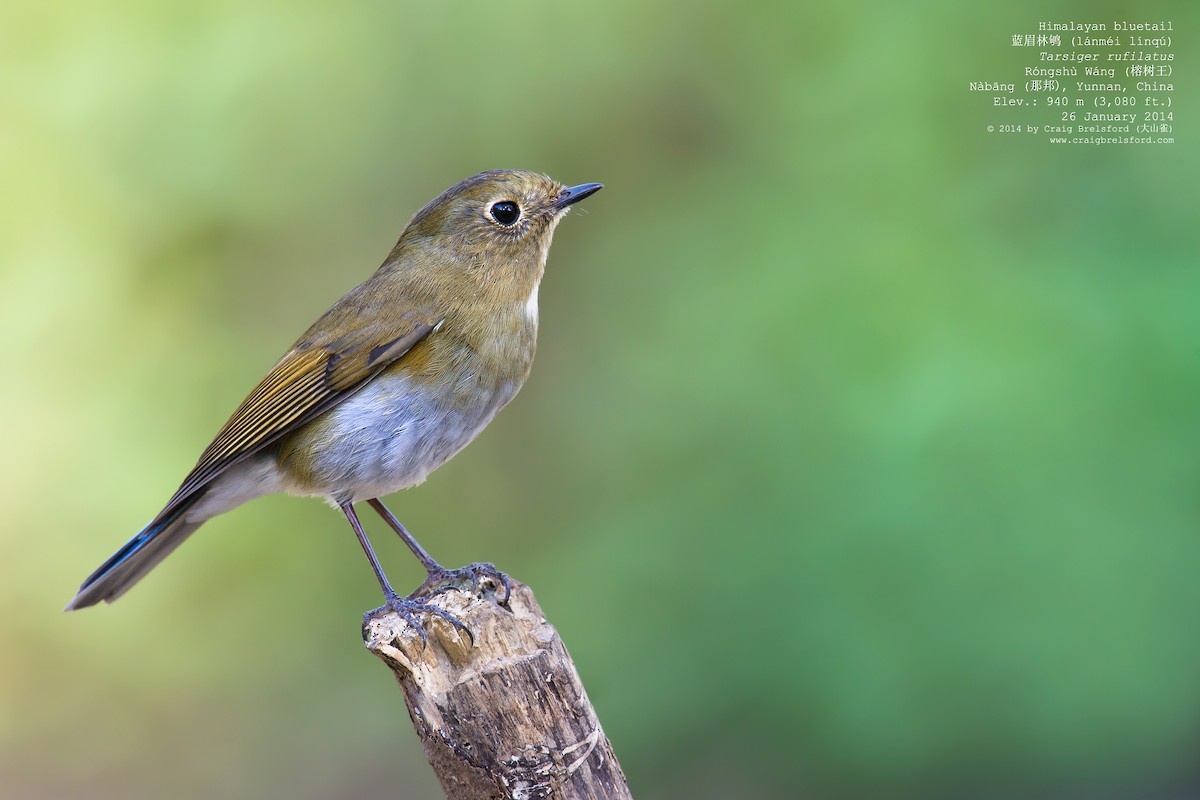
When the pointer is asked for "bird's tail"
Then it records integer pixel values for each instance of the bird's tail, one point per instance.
(139, 555)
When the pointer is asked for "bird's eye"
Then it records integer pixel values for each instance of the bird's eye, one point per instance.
(506, 212)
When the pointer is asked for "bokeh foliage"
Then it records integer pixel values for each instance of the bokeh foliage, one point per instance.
(859, 458)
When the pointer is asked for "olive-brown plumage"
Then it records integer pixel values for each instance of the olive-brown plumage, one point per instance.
(398, 376)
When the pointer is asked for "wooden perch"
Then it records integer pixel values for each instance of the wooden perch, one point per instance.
(507, 717)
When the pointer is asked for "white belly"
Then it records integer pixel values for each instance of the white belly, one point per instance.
(387, 437)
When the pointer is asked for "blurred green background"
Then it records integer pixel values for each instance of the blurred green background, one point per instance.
(859, 460)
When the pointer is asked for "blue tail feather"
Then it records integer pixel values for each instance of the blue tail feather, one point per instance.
(139, 555)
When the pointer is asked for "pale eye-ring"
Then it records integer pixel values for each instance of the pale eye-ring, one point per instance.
(506, 212)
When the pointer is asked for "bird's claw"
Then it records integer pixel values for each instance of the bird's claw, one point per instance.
(409, 607)
(465, 578)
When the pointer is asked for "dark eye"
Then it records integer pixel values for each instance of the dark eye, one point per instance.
(506, 212)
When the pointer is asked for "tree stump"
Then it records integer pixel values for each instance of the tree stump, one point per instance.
(505, 717)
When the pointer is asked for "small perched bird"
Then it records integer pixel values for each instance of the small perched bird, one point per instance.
(398, 376)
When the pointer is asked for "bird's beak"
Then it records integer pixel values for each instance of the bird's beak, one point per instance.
(573, 194)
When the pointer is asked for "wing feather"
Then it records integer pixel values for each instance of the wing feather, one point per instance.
(308, 381)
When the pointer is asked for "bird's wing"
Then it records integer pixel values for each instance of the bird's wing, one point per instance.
(312, 378)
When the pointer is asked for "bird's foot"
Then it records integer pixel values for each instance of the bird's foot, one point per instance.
(472, 577)
(410, 607)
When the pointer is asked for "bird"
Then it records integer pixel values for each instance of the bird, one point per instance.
(397, 377)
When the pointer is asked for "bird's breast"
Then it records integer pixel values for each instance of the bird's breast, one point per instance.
(409, 419)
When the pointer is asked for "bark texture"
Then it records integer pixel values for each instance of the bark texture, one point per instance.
(506, 717)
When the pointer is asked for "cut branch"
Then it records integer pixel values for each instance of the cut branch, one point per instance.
(507, 717)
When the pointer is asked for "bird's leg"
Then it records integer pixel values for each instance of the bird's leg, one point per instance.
(426, 560)
(406, 607)
(440, 579)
